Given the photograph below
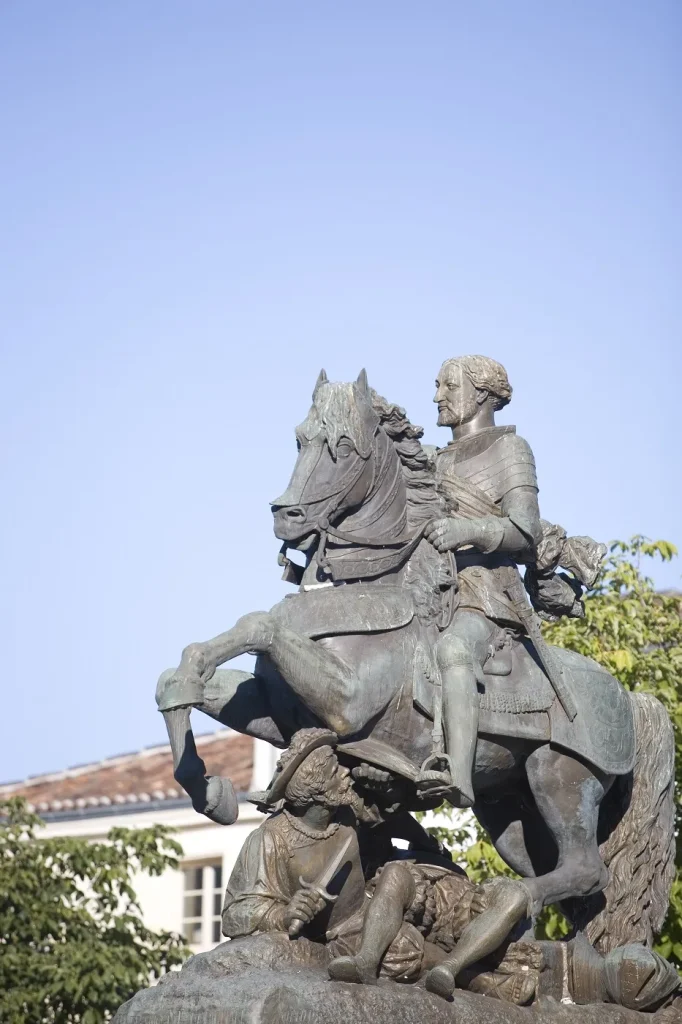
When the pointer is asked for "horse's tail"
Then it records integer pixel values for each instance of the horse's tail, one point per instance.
(639, 843)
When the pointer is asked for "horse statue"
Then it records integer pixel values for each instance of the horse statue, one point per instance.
(581, 807)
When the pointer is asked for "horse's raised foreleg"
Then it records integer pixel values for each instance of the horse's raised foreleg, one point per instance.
(568, 794)
(232, 697)
(321, 680)
(212, 795)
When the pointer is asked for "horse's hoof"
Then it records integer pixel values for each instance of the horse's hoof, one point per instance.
(440, 980)
(351, 969)
(221, 801)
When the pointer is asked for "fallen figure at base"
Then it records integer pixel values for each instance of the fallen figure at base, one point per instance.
(322, 866)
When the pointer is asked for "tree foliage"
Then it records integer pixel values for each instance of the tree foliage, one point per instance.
(635, 632)
(74, 947)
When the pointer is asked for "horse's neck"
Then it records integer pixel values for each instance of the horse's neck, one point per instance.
(382, 517)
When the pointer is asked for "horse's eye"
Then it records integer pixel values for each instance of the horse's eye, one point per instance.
(343, 449)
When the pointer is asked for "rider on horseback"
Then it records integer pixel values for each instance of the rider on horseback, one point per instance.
(487, 475)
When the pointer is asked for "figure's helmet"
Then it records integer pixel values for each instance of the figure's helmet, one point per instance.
(638, 978)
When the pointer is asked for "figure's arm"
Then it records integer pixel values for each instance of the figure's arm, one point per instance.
(517, 530)
(514, 533)
(259, 896)
(256, 898)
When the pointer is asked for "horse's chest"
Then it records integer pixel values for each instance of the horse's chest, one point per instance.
(372, 655)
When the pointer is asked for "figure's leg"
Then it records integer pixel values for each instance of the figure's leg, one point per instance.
(508, 903)
(456, 653)
(394, 893)
(568, 794)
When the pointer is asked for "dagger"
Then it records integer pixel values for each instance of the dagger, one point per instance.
(320, 884)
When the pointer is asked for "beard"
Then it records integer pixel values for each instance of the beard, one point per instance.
(341, 797)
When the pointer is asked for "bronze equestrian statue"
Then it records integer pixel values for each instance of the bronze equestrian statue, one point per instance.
(411, 637)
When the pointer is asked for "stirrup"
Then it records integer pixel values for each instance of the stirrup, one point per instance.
(433, 782)
(435, 776)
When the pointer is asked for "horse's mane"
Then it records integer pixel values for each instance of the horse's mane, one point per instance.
(427, 572)
(418, 462)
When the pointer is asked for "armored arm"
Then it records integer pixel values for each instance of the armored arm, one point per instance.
(497, 510)
(515, 532)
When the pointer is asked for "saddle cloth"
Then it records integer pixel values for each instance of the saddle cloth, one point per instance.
(336, 610)
(523, 705)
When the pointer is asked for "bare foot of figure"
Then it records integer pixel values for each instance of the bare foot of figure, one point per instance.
(354, 969)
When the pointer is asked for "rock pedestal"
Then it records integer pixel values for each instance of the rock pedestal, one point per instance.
(271, 980)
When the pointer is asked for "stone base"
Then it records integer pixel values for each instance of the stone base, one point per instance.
(268, 979)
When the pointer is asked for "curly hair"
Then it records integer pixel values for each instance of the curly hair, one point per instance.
(418, 462)
(308, 784)
(308, 781)
(487, 375)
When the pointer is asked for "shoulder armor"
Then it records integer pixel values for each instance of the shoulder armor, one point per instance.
(507, 463)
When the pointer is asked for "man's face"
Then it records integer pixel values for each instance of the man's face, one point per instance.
(456, 397)
(338, 790)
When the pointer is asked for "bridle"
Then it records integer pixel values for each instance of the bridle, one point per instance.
(397, 551)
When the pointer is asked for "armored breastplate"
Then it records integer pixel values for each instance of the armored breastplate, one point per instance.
(495, 460)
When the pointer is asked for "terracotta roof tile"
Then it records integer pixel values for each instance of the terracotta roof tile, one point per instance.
(135, 778)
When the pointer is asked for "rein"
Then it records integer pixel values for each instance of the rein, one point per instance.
(397, 551)
(404, 548)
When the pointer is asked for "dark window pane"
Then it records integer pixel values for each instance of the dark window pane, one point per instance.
(192, 931)
(217, 876)
(217, 904)
(194, 878)
(192, 906)
(216, 931)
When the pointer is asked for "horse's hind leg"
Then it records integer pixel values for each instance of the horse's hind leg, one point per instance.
(568, 793)
(518, 833)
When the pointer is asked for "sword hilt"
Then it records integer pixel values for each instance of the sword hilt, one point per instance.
(298, 923)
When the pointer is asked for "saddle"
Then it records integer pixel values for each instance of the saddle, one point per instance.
(510, 682)
(522, 704)
(336, 610)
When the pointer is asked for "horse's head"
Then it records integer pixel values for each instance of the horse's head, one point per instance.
(335, 465)
(347, 475)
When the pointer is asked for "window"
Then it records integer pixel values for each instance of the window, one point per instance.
(201, 914)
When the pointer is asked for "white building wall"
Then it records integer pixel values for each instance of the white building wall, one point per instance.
(161, 899)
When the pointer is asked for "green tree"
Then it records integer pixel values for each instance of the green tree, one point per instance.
(73, 943)
(636, 633)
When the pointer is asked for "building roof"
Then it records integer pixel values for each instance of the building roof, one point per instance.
(130, 780)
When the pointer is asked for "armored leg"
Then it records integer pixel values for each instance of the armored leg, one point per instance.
(460, 715)
(458, 652)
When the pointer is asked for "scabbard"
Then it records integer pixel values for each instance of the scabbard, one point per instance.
(544, 652)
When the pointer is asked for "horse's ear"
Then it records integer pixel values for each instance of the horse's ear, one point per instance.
(322, 379)
(361, 383)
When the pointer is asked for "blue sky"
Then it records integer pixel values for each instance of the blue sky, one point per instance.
(202, 204)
